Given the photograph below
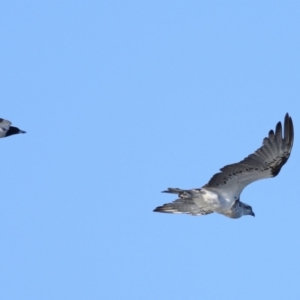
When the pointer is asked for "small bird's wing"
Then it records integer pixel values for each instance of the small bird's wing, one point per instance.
(4, 125)
(185, 204)
(265, 162)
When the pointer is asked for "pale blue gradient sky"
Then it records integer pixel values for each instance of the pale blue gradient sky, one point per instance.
(120, 100)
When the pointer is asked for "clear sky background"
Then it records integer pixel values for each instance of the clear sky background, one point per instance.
(120, 100)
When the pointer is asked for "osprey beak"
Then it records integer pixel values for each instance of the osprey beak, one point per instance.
(252, 214)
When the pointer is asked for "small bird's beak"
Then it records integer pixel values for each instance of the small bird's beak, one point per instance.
(21, 131)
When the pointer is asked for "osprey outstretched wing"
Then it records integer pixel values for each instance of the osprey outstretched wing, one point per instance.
(265, 162)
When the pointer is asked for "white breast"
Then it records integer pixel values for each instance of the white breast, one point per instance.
(215, 201)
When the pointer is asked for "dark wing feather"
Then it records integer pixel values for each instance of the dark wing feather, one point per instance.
(265, 162)
(185, 203)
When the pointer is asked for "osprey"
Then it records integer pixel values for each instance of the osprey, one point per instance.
(222, 193)
(7, 130)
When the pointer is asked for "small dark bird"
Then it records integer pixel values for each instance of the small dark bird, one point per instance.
(7, 130)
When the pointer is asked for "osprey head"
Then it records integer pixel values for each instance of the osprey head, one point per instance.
(246, 209)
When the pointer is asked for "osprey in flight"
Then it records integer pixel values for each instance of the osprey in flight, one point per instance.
(222, 193)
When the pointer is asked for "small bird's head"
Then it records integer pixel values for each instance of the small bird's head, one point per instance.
(247, 209)
(14, 130)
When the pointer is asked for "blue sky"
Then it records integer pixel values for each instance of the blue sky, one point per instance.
(120, 100)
